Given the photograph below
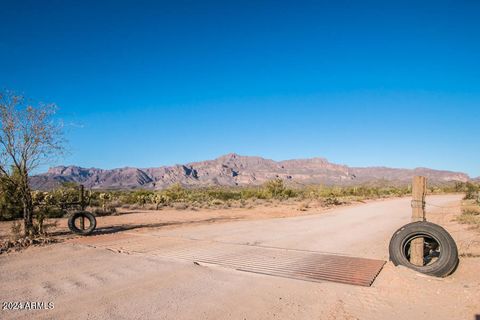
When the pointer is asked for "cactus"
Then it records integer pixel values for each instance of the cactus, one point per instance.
(105, 198)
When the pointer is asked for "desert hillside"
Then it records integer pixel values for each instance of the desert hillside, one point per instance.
(236, 170)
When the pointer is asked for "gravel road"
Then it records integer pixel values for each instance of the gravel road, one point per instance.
(124, 278)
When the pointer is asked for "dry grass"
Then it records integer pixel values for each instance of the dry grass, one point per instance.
(470, 214)
(304, 206)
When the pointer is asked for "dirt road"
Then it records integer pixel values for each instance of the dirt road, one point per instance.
(124, 276)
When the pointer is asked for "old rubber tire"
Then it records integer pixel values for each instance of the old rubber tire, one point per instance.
(87, 215)
(448, 257)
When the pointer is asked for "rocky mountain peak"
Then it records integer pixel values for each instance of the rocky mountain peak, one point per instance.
(236, 170)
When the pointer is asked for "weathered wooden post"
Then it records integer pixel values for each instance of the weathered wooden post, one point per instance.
(419, 190)
(82, 201)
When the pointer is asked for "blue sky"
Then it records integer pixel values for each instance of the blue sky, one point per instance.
(150, 83)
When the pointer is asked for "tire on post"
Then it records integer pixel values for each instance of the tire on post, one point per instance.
(440, 250)
(72, 223)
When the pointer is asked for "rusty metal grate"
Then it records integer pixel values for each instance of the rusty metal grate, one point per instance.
(287, 263)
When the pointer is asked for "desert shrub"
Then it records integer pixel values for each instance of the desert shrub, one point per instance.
(112, 209)
(160, 200)
(470, 216)
(9, 211)
(155, 200)
(54, 203)
(352, 192)
(10, 205)
(222, 194)
(16, 230)
(216, 202)
(181, 206)
(471, 211)
(39, 225)
(175, 193)
(252, 193)
(62, 197)
(115, 203)
(471, 191)
(303, 206)
(242, 203)
(105, 199)
(107, 211)
(51, 212)
(276, 189)
(142, 200)
(332, 200)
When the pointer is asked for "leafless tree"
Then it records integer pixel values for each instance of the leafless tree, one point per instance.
(29, 137)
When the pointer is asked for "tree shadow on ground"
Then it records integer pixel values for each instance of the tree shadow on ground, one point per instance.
(127, 227)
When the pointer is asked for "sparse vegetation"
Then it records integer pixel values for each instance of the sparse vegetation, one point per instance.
(16, 230)
(304, 206)
(470, 214)
(472, 191)
(54, 204)
(471, 217)
(470, 206)
(276, 189)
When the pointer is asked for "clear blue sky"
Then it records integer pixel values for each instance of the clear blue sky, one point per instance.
(150, 83)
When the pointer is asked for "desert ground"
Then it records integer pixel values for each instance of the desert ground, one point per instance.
(121, 273)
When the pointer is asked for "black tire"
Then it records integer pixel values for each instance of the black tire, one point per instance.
(446, 259)
(79, 215)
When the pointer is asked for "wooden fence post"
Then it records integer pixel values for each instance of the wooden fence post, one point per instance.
(82, 200)
(419, 190)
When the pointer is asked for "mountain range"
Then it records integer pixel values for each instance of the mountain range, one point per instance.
(236, 170)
